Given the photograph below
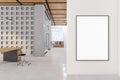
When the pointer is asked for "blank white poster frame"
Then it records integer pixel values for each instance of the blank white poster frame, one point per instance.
(92, 33)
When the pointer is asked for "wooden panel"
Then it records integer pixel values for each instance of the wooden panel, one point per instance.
(58, 44)
(58, 11)
(22, 1)
(9, 4)
(32, 1)
(64, 19)
(8, 1)
(60, 21)
(57, 6)
(56, 0)
(59, 15)
(8, 49)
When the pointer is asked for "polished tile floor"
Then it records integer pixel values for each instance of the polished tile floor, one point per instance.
(50, 67)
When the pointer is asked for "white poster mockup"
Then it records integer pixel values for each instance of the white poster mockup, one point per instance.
(92, 37)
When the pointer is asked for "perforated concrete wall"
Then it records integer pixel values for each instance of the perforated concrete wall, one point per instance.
(21, 27)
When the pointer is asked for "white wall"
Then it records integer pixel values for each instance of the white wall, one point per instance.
(91, 7)
(119, 36)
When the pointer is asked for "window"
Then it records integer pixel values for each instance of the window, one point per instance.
(2, 13)
(16, 42)
(21, 37)
(26, 37)
(7, 23)
(22, 23)
(32, 23)
(11, 32)
(22, 32)
(7, 13)
(11, 37)
(21, 42)
(26, 42)
(1, 27)
(31, 47)
(16, 27)
(1, 42)
(16, 23)
(26, 47)
(22, 28)
(22, 8)
(27, 23)
(7, 8)
(2, 32)
(11, 27)
(1, 37)
(27, 8)
(12, 13)
(6, 42)
(22, 18)
(31, 37)
(32, 13)
(21, 47)
(6, 37)
(32, 18)
(6, 32)
(31, 52)
(11, 23)
(17, 8)
(16, 37)
(26, 33)
(17, 18)
(6, 27)
(2, 23)
(2, 8)
(11, 42)
(22, 13)
(27, 18)
(1, 18)
(17, 13)
(27, 13)
(31, 42)
(27, 27)
(11, 8)
(16, 32)
(31, 33)
(32, 8)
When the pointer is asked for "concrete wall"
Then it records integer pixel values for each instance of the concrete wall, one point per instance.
(91, 7)
(40, 28)
(17, 27)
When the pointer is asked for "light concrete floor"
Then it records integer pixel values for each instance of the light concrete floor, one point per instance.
(50, 67)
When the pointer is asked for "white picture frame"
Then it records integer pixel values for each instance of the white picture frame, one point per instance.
(92, 38)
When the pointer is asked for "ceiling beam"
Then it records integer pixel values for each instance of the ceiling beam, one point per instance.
(46, 1)
(19, 2)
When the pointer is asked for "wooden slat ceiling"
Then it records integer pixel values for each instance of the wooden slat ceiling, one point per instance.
(56, 8)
